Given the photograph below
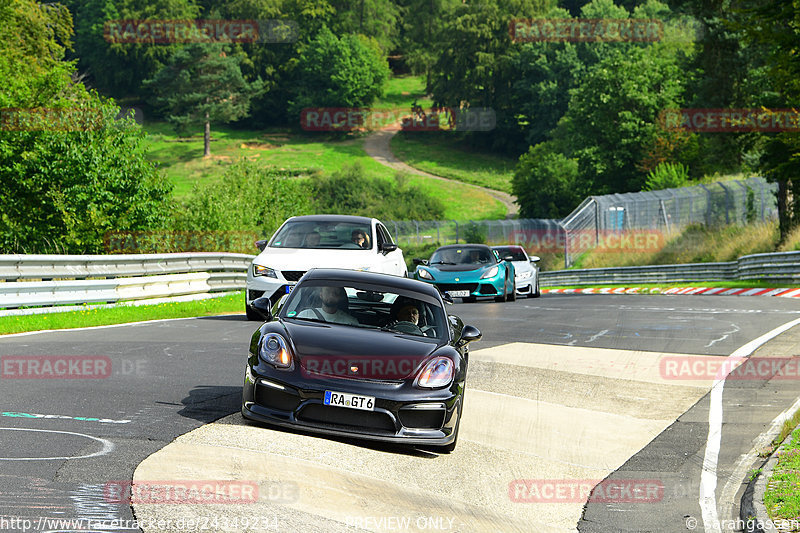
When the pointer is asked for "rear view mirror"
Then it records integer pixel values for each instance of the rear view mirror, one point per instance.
(469, 334)
(534, 258)
(418, 261)
(388, 247)
(261, 244)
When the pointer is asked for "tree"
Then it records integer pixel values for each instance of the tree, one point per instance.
(201, 84)
(547, 183)
(774, 26)
(70, 171)
(332, 71)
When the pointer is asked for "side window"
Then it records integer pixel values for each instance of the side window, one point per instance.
(381, 234)
(384, 233)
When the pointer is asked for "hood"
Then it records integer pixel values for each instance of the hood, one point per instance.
(343, 351)
(521, 266)
(306, 259)
(468, 267)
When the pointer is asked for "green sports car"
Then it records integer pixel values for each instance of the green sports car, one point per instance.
(469, 271)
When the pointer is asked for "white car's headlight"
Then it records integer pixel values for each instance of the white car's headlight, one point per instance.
(424, 274)
(524, 275)
(274, 350)
(259, 270)
(492, 272)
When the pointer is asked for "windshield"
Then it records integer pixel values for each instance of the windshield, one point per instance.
(460, 256)
(516, 253)
(366, 307)
(306, 234)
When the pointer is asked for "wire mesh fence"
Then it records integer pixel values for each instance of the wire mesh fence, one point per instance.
(634, 221)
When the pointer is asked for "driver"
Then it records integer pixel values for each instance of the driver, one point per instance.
(408, 313)
(333, 298)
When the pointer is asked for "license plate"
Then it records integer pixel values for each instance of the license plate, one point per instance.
(459, 294)
(289, 288)
(353, 401)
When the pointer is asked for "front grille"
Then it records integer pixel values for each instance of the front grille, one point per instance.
(293, 275)
(341, 417)
(275, 398)
(488, 289)
(457, 286)
(422, 418)
(252, 294)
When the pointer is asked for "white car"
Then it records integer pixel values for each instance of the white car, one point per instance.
(526, 270)
(320, 241)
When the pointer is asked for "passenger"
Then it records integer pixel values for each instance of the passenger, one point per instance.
(359, 237)
(333, 300)
(312, 239)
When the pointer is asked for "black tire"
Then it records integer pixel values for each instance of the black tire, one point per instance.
(468, 300)
(513, 296)
(536, 292)
(504, 297)
(448, 448)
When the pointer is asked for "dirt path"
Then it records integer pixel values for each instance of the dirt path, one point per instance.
(378, 147)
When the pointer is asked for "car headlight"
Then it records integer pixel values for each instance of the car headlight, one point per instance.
(424, 274)
(259, 270)
(275, 350)
(492, 272)
(437, 373)
(524, 275)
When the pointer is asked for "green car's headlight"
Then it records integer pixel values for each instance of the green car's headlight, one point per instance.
(492, 272)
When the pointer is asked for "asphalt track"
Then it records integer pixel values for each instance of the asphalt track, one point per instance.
(561, 388)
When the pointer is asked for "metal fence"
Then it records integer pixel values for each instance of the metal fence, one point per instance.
(597, 217)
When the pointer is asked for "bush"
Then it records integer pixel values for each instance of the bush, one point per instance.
(350, 191)
(667, 176)
(249, 197)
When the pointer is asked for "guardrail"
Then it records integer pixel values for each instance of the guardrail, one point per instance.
(47, 280)
(781, 267)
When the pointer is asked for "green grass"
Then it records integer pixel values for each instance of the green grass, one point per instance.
(401, 92)
(444, 155)
(782, 497)
(121, 314)
(183, 164)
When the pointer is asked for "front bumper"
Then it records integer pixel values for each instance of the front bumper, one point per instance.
(400, 415)
(476, 288)
(258, 286)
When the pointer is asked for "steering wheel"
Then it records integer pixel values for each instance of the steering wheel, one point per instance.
(407, 327)
(426, 329)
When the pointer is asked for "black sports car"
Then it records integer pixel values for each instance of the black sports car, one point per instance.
(360, 354)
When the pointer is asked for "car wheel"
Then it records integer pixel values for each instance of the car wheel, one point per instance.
(468, 300)
(504, 296)
(448, 448)
(512, 297)
(536, 292)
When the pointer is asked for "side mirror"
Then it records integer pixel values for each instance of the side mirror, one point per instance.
(261, 244)
(418, 261)
(535, 258)
(387, 247)
(469, 334)
(263, 307)
(447, 298)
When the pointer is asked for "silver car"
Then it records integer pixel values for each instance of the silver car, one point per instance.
(526, 269)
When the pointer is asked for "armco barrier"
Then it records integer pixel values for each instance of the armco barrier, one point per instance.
(47, 280)
(781, 267)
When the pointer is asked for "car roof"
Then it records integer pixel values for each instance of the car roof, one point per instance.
(460, 246)
(387, 280)
(331, 218)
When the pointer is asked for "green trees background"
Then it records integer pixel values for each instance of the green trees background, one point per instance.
(582, 117)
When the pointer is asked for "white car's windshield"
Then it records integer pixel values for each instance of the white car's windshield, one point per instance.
(307, 234)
